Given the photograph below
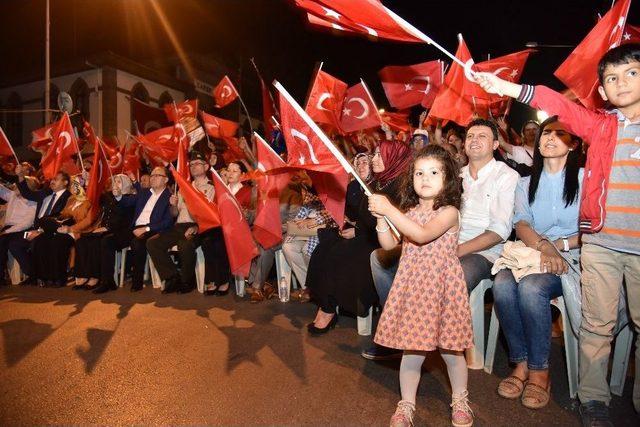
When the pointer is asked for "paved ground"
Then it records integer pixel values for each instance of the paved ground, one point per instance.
(147, 358)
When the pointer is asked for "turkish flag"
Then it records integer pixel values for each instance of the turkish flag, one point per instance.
(631, 34)
(225, 93)
(115, 153)
(325, 99)
(406, 86)
(268, 108)
(450, 103)
(147, 117)
(398, 121)
(368, 17)
(307, 151)
(232, 150)
(579, 72)
(217, 127)
(313, 19)
(41, 138)
(100, 171)
(131, 161)
(183, 157)
(202, 210)
(5, 146)
(359, 110)
(267, 227)
(175, 112)
(64, 145)
(161, 146)
(241, 248)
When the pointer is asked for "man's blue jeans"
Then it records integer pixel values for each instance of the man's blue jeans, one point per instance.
(524, 312)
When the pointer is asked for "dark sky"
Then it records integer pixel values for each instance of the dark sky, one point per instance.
(285, 47)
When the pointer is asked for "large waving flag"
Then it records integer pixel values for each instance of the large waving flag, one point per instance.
(409, 85)
(41, 138)
(147, 117)
(579, 72)
(267, 227)
(161, 146)
(100, 171)
(306, 150)
(202, 210)
(367, 17)
(217, 127)
(359, 110)
(63, 147)
(241, 248)
(325, 99)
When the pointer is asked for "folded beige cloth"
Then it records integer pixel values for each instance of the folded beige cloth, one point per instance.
(519, 258)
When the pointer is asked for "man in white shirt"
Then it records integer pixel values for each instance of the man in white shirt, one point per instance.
(487, 203)
(523, 154)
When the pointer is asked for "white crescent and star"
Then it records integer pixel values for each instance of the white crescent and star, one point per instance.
(425, 79)
(225, 92)
(118, 158)
(330, 13)
(297, 135)
(363, 104)
(324, 96)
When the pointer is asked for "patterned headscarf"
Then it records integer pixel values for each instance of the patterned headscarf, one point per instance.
(127, 186)
(396, 157)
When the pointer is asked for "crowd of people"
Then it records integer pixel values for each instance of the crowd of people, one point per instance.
(560, 198)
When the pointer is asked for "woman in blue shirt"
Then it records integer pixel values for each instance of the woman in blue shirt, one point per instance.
(546, 219)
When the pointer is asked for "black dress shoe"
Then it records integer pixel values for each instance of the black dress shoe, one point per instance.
(79, 287)
(137, 288)
(171, 285)
(104, 288)
(313, 330)
(29, 282)
(220, 293)
(380, 352)
(93, 287)
(185, 289)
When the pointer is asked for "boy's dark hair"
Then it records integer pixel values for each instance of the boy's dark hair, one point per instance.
(622, 54)
(571, 168)
(451, 193)
(484, 122)
(66, 177)
(242, 166)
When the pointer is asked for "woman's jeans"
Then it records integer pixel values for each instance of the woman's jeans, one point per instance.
(524, 312)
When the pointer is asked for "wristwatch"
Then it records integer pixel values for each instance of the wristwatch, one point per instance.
(565, 244)
(148, 229)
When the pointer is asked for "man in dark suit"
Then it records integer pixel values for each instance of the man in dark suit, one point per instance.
(50, 202)
(151, 215)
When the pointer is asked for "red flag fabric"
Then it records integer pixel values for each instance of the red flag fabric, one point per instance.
(115, 154)
(313, 19)
(306, 151)
(241, 248)
(631, 34)
(325, 99)
(203, 211)
(359, 111)
(398, 121)
(41, 138)
(233, 151)
(225, 93)
(100, 171)
(217, 127)
(147, 117)
(267, 227)
(579, 72)
(161, 146)
(175, 112)
(406, 86)
(131, 161)
(368, 17)
(64, 145)
(5, 146)
(183, 157)
(268, 108)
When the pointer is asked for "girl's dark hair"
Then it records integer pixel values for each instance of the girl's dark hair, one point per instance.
(571, 168)
(451, 193)
(241, 165)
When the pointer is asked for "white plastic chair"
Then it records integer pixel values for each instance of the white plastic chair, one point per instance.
(283, 270)
(240, 285)
(475, 355)
(365, 323)
(120, 267)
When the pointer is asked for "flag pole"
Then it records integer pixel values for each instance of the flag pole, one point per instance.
(332, 148)
(366, 89)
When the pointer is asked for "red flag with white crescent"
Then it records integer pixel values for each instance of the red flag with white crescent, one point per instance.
(267, 226)
(131, 161)
(406, 86)
(202, 210)
(5, 146)
(325, 99)
(359, 111)
(217, 127)
(161, 146)
(631, 34)
(183, 157)
(147, 117)
(100, 171)
(241, 248)
(41, 138)
(64, 145)
(305, 150)
(579, 72)
(225, 92)
(175, 112)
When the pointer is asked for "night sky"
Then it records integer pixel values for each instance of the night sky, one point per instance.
(283, 44)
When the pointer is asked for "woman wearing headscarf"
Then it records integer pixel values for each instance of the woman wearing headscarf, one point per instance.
(113, 218)
(343, 277)
(51, 251)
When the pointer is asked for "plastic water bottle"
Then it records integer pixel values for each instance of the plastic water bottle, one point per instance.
(283, 290)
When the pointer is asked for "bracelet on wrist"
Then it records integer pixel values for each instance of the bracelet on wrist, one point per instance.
(383, 230)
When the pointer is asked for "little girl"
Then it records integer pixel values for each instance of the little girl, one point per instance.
(428, 306)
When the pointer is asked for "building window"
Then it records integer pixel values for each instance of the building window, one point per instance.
(139, 92)
(165, 98)
(80, 95)
(13, 120)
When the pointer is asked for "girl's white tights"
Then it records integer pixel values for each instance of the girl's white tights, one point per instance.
(411, 365)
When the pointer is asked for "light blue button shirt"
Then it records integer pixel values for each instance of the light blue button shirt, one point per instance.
(548, 215)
